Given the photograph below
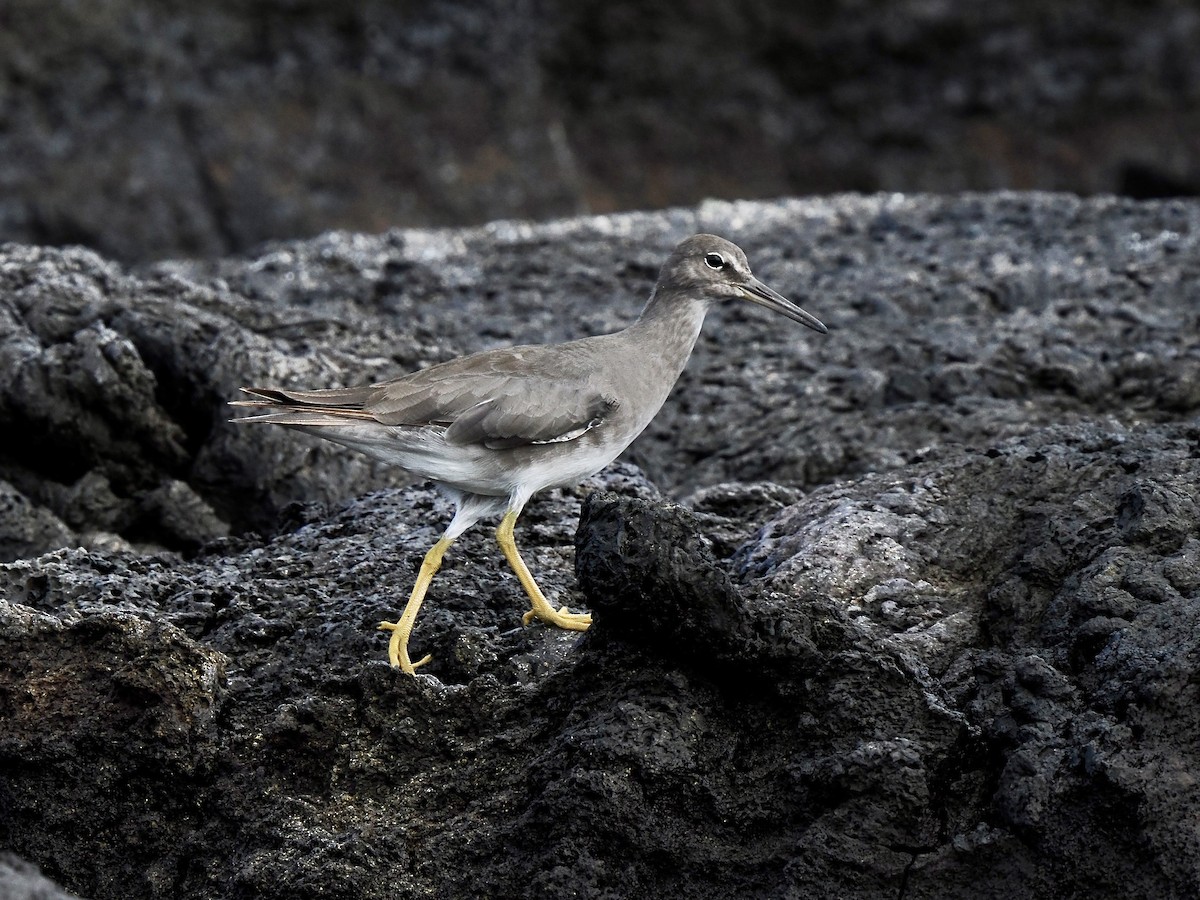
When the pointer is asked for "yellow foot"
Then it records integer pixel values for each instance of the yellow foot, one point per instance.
(563, 618)
(398, 649)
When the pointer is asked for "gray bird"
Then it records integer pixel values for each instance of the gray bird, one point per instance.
(494, 428)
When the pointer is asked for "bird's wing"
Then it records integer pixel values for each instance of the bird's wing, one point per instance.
(501, 398)
(503, 423)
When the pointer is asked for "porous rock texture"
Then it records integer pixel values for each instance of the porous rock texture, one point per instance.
(146, 129)
(907, 610)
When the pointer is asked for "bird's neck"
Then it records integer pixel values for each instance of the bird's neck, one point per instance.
(672, 324)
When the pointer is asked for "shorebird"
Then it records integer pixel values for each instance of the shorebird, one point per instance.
(494, 428)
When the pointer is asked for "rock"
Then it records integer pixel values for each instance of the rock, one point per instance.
(92, 707)
(652, 576)
(923, 624)
(146, 131)
(1036, 626)
(27, 529)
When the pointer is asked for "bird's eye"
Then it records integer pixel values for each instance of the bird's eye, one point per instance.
(714, 261)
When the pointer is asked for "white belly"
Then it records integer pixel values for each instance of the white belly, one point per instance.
(474, 469)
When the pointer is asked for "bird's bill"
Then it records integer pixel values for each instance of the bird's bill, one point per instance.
(757, 292)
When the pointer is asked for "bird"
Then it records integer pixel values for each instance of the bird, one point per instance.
(493, 428)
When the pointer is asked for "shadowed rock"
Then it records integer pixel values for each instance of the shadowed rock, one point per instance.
(649, 572)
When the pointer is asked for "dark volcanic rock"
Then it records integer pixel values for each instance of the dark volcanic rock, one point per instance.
(652, 575)
(923, 619)
(1043, 651)
(145, 130)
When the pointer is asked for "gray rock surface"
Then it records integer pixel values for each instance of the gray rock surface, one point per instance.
(147, 130)
(909, 610)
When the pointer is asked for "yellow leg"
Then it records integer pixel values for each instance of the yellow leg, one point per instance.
(398, 645)
(541, 608)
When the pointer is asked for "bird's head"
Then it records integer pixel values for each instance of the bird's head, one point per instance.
(711, 268)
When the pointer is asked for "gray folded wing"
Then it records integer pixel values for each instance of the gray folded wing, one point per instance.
(498, 411)
(500, 398)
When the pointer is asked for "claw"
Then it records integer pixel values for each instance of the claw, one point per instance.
(398, 650)
(562, 617)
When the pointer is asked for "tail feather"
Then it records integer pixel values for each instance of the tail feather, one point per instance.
(328, 408)
(308, 418)
(344, 398)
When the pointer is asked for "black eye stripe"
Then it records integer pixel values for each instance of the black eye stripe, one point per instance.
(714, 261)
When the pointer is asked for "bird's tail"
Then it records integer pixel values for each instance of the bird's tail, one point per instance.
(335, 407)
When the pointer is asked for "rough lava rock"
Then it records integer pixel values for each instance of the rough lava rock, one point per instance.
(909, 610)
(147, 130)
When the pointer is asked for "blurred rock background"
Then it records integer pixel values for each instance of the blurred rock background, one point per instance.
(149, 129)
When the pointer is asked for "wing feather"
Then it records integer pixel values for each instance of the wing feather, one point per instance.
(500, 398)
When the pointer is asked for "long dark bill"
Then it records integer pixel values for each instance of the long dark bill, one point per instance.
(757, 292)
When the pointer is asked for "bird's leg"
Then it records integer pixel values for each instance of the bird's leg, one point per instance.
(541, 608)
(398, 645)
